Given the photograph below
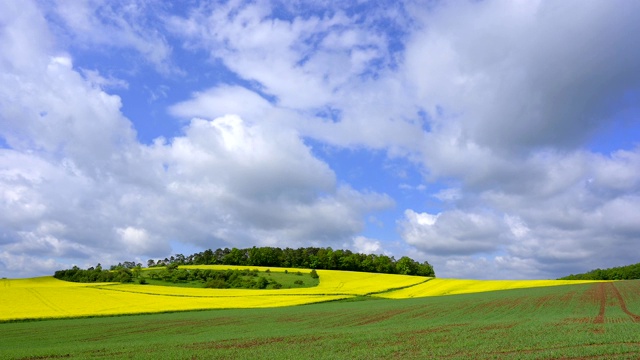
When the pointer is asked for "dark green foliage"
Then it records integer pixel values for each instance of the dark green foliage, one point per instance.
(308, 258)
(215, 284)
(127, 265)
(629, 272)
(221, 279)
(75, 274)
(262, 283)
(314, 274)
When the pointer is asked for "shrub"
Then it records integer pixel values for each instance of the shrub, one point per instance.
(299, 282)
(262, 283)
(314, 274)
(215, 284)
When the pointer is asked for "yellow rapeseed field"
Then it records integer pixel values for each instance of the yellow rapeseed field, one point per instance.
(52, 298)
(438, 287)
(47, 297)
(331, 281)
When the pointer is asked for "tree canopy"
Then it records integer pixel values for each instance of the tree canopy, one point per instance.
(306, 258)
(628, 272)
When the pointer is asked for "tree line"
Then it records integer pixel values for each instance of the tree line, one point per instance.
(222, 279)
(306, 258)
(97, 274)
(628, 272)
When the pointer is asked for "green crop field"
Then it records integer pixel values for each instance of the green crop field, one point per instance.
(586, 321)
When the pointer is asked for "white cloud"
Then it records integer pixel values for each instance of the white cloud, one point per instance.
(560, 219)
(452, 232)
(224, 100)
(80, 188)
(512, 105)
(114, 25)
(365, 245)
(517, 77)
(493, 102)
(94, 77)
(308, 65)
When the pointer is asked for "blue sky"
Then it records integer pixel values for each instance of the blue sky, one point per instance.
(493, 139)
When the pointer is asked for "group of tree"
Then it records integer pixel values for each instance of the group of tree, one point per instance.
(306, 258)
(97, 274)
(628, 272)
(221, 279)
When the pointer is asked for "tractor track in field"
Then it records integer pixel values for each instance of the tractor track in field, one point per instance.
(46, 302)
(601, 295)
(623, 305)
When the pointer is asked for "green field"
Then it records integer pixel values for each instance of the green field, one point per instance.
(288, 280)
(594, 321)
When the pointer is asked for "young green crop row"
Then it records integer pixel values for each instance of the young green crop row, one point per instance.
(46, 297)
(588, 321)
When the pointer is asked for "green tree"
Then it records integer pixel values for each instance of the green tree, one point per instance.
(314, 274)
(406, 266)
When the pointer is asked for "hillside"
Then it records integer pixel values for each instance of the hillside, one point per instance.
(47, 297)
(583, 321)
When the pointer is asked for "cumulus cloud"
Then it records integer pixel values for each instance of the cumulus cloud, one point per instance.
(77, 187)
(520, 76)
(494, 103)
(452, 232)
(512, 104)
(324, 75)
(365, 245)
(113, 25)
(571, 216)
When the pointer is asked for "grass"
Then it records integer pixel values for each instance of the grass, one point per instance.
(594, 320)
(288, 280)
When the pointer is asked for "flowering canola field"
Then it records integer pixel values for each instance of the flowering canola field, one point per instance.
(47, 297)
(439, 287)
(52, 298)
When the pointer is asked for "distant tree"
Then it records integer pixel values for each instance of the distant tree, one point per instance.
(235, 257)
(309, 258)
(406, 266)
(215, 284)
(425, 269)
(262, 282)
(137, 270)
(628, 272)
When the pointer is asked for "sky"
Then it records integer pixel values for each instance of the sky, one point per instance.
(493, 139)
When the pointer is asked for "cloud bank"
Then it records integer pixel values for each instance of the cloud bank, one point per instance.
(518, 117)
